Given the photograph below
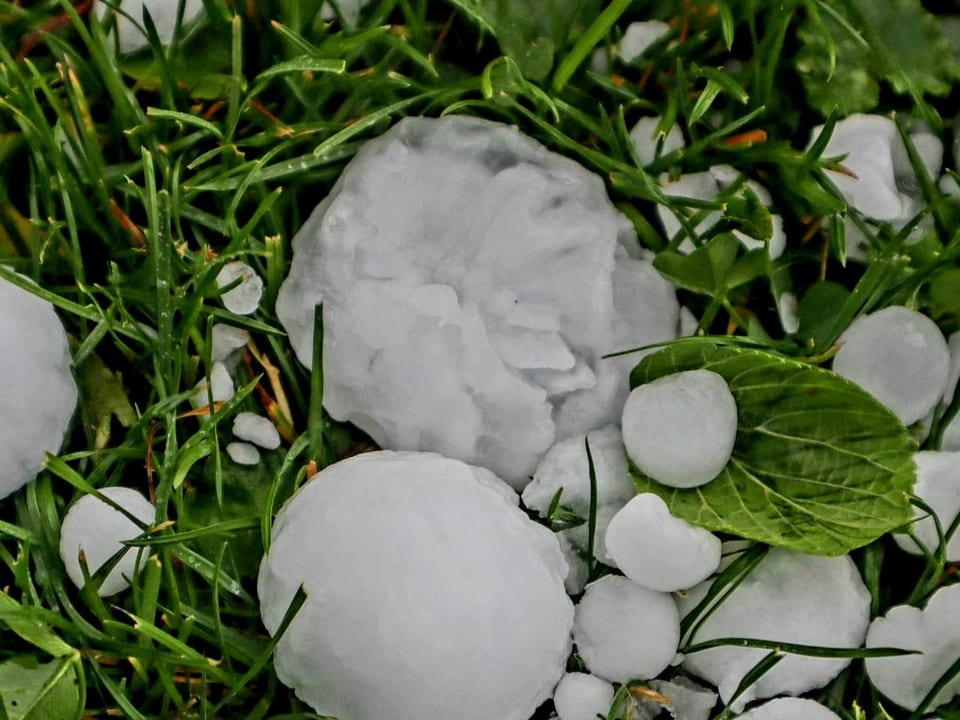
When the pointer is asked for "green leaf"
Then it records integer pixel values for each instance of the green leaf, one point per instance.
(945, 293)
(818, 311)
(704, 270)
(749, 215)
(819, 466)
(40, 691)
(104, 398)
(28, 623)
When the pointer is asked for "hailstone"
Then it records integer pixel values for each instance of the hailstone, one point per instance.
(580, 696)
(429, 593)
(162, 12)
(938, 485)
(790, 709)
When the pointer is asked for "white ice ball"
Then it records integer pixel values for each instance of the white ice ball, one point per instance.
(790, 709)
(900, 357)
(580, 696)
(624, 631)
(938, 485)
(680, 428)
(430, 594)
(243, 298)
(97, 529)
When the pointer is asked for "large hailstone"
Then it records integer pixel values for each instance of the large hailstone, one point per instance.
(624, 631)
(900, 357)
(938, 485)
(99, 531)
(420, 574)
(163, 13)
(680, 429)
(39, 396)
(471, 280)
(790, 709)
(790, 597)
(933, 631)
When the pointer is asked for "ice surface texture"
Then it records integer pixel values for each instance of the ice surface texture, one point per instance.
(788, 597)
(790, 709)
(688, 701)
(99, 530)
(933, 631)
(430, 594)
(582, 697)
(471, 281)
(163, 13)
(39, 395)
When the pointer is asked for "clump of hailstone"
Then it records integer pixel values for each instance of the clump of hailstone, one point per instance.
(580, 696)
(687, 700)
(471, 280)
(420, 574)
(900, 357)
(790, 597)
(639, 36)
(246, 288)
(907, 679)
(256, 429)
(243, 453)
(39, 396)
(938, 485)
(655, 549)
(790, 709)
(624, 631)
(163, 12)
(98, 530)
(680, 429)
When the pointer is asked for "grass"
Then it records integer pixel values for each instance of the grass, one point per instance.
(127, 184)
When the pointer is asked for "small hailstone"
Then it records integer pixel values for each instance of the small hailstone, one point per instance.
(639, 36)
(788, 309)
(580, 696)
(96, 528)
(790, 597)
(243, 453)
(407, 559)
(221, 386)
(900, 357)
(38, 395)
(256, 429)
(688, 700)
(645, 139)
(933, 631)
(243, 299)
(680, 428)
(789, 709)
(938, 485)
(624, 631)
(655, 549)
(225, 340)
(566, 466)
(163, 13)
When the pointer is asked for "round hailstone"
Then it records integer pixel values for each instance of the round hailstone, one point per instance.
(900, 357)
(39, 396)
(790, 709)
(789, 597)
(938, 485)
(580, 696)
(657, 550)
(645, 139)
(244, 298)
(680, 428)
(934, 631)
(471, 282)
(256, 429)
(162, 12)
(624, 631)
(226, 340)
(566, 466)
(98, 529)
(243, 453)
(420, 574)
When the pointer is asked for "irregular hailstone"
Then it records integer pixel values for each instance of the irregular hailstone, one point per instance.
(680, 428)
(933, 631)
(256, 429)
(639, 36)
(790, 597)
(99, 530)
(687, 700)
(39, 396)
(645, 139)
(580, 696)
(900, 357)
(243, 453)
(938, 485)
(655, 549)
(244, 298)
(789, 709)
(349, 11)
(226, 340)
(566, 466)
(163, 13)
(624, 631)
(471, 281)
(221, 386)
(420, 574)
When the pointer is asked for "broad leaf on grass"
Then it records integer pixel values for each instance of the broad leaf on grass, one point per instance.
(711, 269)
(819, 466)
(30, 690)
(104, 398)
